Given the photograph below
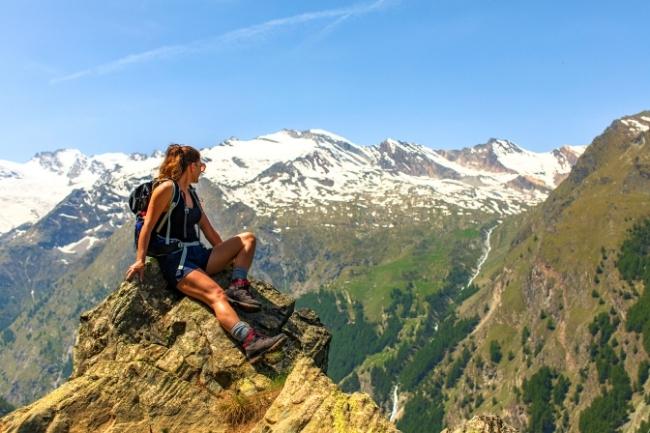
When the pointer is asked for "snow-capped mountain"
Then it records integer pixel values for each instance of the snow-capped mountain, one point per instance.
(502, 156)
(285, 168)
(33, 189)
(313, 167)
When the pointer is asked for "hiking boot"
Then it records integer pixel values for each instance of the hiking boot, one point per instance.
(256, 345)
(238, 293)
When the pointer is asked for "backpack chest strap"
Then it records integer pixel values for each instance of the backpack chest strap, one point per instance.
(181, 264)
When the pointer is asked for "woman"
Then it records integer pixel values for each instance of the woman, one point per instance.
(188, 268)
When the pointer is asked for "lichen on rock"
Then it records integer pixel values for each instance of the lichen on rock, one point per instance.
(151, 359)
(310, 402)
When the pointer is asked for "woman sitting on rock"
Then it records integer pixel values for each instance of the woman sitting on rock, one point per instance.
(187, 264)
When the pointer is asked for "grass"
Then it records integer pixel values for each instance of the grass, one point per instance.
(373, 287)
(512, 297)
(420, 261)
(241, 411)
(507, 336)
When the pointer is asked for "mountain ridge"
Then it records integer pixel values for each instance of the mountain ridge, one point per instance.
(36, 186)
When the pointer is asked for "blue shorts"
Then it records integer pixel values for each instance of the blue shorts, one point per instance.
(196, 258)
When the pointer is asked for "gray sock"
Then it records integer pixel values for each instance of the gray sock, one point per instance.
(240, 331)
(238, 272)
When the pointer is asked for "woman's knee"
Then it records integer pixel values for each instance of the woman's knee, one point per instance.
(216, 295)
(248, 238)
(205, 289)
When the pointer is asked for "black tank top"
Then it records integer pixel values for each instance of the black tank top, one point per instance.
(184, 220)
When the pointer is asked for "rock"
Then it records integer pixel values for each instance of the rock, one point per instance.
(149, 359)
(483, 424)
(310, 402)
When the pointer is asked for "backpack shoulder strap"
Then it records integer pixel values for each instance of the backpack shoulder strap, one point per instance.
(197, 202)
(195, 198)
(172, 204)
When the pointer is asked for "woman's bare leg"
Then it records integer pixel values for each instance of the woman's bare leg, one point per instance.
(241, 248)
(200, 286)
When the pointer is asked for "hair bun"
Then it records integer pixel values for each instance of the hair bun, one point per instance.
(174, 149)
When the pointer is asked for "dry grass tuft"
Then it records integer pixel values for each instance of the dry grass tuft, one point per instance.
(241, 411)
(237, 408)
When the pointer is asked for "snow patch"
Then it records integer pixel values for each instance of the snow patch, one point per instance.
(635, 125)
(81, 245)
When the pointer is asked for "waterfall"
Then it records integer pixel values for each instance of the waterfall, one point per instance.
(486, 252)
(393, 413)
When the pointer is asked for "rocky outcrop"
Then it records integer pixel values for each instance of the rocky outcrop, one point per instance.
(483, 424)
(311, 402)
(149, 359)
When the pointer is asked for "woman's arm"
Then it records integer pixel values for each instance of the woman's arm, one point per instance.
(159, 202)
(210, 233)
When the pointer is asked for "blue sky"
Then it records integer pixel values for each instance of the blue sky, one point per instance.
(136, 75)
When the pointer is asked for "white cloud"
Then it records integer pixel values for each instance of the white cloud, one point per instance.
(226, 39)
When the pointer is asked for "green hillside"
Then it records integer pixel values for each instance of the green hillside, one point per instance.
(379, 309)
(562, 297)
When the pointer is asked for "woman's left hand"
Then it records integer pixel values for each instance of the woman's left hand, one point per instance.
(136, 269)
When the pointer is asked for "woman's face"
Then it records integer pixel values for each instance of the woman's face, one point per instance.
(196, 168)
